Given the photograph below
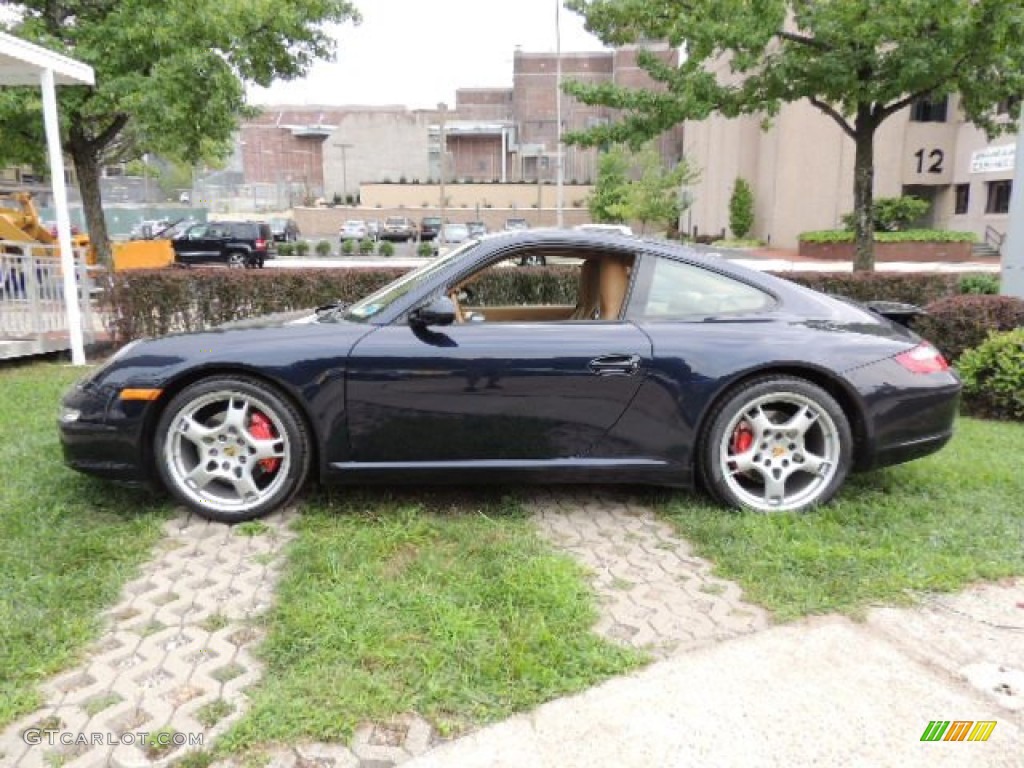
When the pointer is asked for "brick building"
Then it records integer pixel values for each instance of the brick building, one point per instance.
(491, 134)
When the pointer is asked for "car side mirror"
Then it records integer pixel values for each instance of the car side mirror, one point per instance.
(441, 311)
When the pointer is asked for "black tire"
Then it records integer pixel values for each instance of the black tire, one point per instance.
(533, 260)
(233, 462)
(237, 259)
(775, 443)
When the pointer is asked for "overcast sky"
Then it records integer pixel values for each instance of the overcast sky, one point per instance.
(417, 52)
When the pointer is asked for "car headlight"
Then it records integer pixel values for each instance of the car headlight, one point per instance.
(69, 415)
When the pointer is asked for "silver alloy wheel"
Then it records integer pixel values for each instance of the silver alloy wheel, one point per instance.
(236, 260)
(780, 452)
(215, 460)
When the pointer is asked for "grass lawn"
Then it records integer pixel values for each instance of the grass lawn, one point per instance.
(67, 543)
(457, 611)
(935, 524)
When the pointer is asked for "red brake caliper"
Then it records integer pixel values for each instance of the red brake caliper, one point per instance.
(742, 438)
(261, 428)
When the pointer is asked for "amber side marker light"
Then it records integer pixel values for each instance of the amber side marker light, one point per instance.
(140, 394)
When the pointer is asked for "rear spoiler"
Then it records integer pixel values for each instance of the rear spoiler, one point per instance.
(897, 311)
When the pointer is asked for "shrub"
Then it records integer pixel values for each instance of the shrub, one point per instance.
(892, 214)
(918, 288)
(366, 246)
(908, 236)
(424, 249)
(983, 283)
(285, 249)
(741, 209)
(386, 248)
(302, 247)
(348, 247)
(157, 302)
(993, 376)
(958, 323)
(323, 248)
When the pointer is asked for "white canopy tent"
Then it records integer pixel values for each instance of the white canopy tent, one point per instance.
(22, 63)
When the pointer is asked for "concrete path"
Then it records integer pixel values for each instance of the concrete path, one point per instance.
(824, 692)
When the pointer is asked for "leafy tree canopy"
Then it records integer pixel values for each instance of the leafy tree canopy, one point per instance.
(857, 61)
(169, 76)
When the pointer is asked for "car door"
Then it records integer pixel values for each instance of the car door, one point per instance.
(188, 247)
(526, 392)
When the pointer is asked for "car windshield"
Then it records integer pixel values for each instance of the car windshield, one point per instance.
(377, 302)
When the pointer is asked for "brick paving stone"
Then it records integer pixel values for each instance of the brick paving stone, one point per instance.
(156, 648)
(653, 593)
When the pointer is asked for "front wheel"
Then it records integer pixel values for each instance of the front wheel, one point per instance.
(231, 449)
(776, 444)
(237, 260)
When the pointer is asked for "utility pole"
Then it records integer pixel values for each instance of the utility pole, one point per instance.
(1012, 282)
(559, 163)
(344, 170)
(442, 108)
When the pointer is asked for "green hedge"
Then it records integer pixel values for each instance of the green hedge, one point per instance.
(958, 323)
(909, 236)
(155, 302)
(912, 287)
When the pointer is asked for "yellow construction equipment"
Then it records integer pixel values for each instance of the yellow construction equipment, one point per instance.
(20, 223)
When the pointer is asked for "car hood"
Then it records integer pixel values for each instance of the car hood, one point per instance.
(270, 343)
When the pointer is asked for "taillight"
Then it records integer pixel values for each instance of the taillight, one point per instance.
(261, 245)
(924, 358)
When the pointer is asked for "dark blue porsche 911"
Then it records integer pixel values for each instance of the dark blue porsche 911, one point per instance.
(669, 368)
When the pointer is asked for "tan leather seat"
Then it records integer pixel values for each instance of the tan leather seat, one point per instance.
(614, 284)
(588, 303)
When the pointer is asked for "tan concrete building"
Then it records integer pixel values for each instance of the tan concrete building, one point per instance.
(801, 170)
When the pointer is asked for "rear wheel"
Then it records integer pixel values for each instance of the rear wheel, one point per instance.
(776, 444)
(231, 449)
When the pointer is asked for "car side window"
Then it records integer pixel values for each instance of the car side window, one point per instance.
(197, 233)
(585, 286)
(677, 289)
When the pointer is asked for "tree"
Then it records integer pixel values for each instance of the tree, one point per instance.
(169, 78)
(638, 186)
(741, 209)
(607, 201)
(857, 61)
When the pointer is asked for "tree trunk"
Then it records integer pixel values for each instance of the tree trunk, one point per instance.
(863, 194)
(87, 168)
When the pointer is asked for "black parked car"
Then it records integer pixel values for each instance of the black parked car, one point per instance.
(664, 366)
(284, 230)
(429, 228)
(233, 243)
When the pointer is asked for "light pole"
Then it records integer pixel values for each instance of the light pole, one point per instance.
(1012, 283)
(344, 170)
(442, 108)
(559, 164)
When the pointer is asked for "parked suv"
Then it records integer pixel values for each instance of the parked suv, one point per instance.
(429, 227)
(233, 243)
(398, 228)
(285, 230)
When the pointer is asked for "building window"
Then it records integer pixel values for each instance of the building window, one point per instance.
(929, 110)
(963, 199)
(998, 197)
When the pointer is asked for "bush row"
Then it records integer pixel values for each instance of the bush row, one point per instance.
(907, 236)
(153, 302)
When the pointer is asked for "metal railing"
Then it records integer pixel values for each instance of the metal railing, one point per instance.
(32, 291)
(994, 238)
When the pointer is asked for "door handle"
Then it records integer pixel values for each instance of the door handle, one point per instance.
(615, 365)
